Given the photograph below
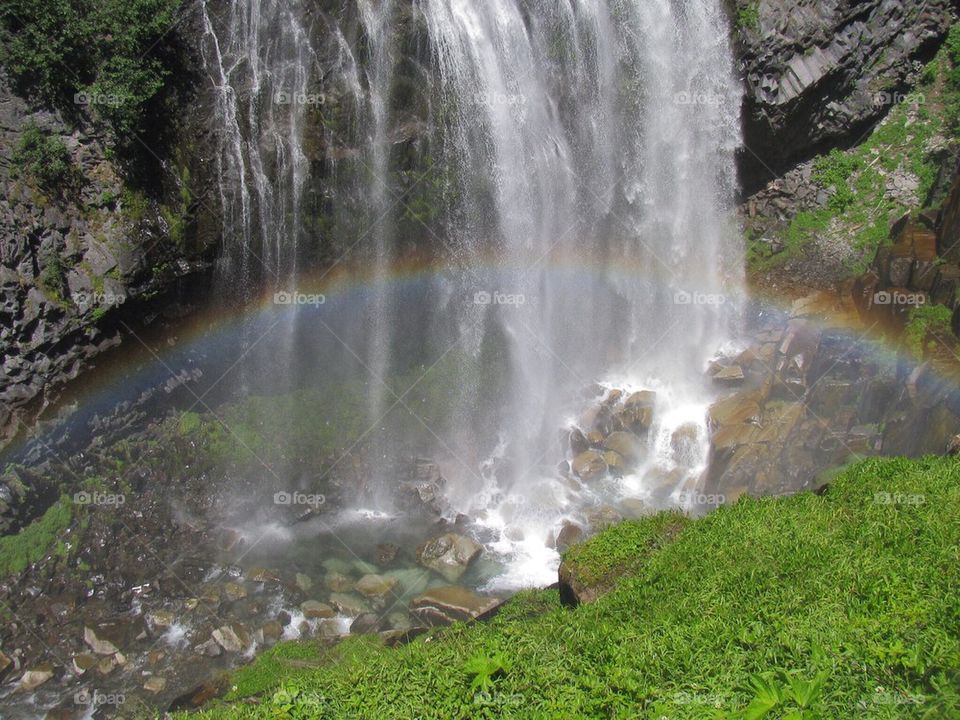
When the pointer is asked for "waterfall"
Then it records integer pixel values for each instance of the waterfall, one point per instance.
(565, 166)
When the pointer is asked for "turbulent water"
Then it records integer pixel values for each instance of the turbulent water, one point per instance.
(579, 161)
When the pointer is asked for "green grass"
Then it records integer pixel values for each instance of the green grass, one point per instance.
(36, 540)
(927, 320)
(838, 606)
(748, 16)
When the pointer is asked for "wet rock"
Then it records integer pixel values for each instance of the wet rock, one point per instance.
(375, 586)
(313, 609)
(161, 619)
(578, 441)
(595, 438)
(589, 465)
(99, 646)
(155, 684)
(262, 575)
(570, 534)
(201, 694)
(626, 444)
(365, 624)
(337, 582)
(636, 507)
(729, 376)
(449, 555)
(210, 648)
(304, 582)
(234, 591)
(953, 446)
(602, 517)
(329, 629)
(271, 632)
(643, 398)
(349, 604)
(32, 679)
(6, 665)
(448, 604)
(84, 662)
(616, 464)
(232, 638)
(685, 444)
(386, 553)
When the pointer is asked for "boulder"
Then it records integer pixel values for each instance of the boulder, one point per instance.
(448, 604)
(337, 582)
(386, 553)
(155, 684)
(602, 517)
(32, 679)
(570, 534)
(313, 609)
(449, 555)
(616, 464)
(232, 638)
(375, 586)
(578, 441)
(98, 645)
(589, 465)
(304, 582)
(365, 624)
(729, 376)
(625, 444)
(349, 604)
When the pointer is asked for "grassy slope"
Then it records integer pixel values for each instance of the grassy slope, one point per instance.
(825, 607)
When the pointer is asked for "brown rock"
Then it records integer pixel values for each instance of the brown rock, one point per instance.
(32, 679)
(449, 555)
(589, 465)
(570, 534)
(445, 605)
(313, 609)
(626, 444)
(578, 442)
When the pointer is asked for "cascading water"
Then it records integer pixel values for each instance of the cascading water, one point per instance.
(581, 153)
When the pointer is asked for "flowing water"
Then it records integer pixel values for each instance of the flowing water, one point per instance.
(579, 157)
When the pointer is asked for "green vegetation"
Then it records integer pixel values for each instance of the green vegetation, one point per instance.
(927, 323)
(52, 279)
(108, 54)
(36, 540)
(951, 69)
(835, 606)
(44, 161)
(748, 16)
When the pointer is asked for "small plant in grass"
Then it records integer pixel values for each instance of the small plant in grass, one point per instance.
(484, 670)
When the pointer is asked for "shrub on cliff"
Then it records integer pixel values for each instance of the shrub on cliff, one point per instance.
(108, 55)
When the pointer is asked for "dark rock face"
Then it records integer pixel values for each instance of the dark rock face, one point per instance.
(818, 73)
(71, 264)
